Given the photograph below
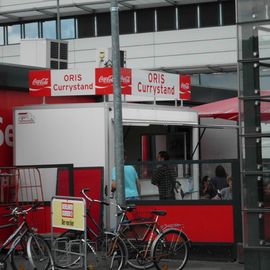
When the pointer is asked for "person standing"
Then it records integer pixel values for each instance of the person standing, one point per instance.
(132, 185)
(164, 178)
(220, 179)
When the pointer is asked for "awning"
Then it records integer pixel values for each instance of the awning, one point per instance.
(229, 108)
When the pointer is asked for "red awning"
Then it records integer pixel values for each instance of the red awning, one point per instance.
(228, 109)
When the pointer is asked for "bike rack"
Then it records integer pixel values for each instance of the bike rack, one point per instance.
(69, 213)
(20, 185)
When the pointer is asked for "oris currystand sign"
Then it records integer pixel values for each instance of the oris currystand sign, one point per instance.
(100, 82)
(160, 85)
(61, 82)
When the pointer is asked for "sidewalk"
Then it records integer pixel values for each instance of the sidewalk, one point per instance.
(197, 265)
(207, 265)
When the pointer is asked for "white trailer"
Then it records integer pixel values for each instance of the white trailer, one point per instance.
(83, 135)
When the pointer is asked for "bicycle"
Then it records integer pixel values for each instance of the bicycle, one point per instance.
(102, 248)
(34, 251)
(134, 244)
(148, 244)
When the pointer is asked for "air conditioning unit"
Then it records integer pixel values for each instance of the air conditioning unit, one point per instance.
(104, 57)
(44, 53)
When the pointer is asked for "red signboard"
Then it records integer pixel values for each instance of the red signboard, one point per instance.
(185, 87)
(40, 83)
(104, 81)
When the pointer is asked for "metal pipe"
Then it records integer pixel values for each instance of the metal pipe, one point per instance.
(117, 102)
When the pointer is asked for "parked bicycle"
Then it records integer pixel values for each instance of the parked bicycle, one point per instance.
(148, 244)
(103, 249)
(24, 241)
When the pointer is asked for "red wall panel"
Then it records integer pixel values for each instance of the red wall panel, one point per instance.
(202, 223)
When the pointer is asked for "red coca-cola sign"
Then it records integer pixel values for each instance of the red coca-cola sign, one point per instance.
(104, 81)
(40, 82)
(185, 87)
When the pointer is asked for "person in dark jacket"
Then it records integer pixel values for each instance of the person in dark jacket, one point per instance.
(220, 179)
(164, 178)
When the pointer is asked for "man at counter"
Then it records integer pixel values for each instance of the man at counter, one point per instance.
(164, 178)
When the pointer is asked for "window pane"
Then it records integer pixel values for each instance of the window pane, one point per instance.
(49, 29)
(31, 30)
(14, 34)
(67, 28)
(1, 35)
(103, 24)
(126, 22)
(86, 26)
(145, 20)
(169, 14)
(209, 14)
(228, 13)
(187, 16)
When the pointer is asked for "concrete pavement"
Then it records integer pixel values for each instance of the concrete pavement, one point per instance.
(211, 265)
(196, 265)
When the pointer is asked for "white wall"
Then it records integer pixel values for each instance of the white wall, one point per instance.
(219, 143)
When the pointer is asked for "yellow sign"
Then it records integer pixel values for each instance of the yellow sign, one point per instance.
(68, 214)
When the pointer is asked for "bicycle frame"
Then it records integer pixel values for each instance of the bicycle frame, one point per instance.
(148, 237)
(15, 239)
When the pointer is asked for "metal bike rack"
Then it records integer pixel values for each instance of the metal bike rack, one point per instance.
(69, 213)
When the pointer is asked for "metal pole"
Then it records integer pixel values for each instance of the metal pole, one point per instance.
(117, 102)
(58, 26)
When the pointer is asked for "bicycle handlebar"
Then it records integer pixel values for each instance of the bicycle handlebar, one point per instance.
(19, 211)
(120, 208)
(90, 199)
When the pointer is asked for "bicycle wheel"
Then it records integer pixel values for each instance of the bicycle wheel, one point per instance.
(106, 252)
(19, 258)
(170, 250)
(39, 253)
(3, 264)
(136, 239)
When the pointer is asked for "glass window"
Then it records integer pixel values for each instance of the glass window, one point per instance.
(2, 35)
(169, 14)
(86, 26)
(103, 24)
(49, 29)
(67, 28)
(228, 13)
(126, 22)
(187, 16)
(145, 20)
(31, 30)
(209, 14)
(14, 33)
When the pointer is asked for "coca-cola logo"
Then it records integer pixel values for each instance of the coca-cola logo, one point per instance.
(185, 86)
(109, 79)
(40, 82)
(103, 79)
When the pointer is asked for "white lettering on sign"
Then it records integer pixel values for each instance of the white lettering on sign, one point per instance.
(6, 135)
(109, 79)
(185, 86)
(40, 82)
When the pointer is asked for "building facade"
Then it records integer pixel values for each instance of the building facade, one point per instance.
(188, 37)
